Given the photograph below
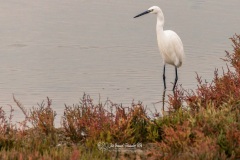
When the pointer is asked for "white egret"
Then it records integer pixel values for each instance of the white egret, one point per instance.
(169, 43)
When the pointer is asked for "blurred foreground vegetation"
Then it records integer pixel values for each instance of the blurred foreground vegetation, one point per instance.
(201, 124)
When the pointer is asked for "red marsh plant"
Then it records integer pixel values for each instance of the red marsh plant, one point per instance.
(107, 122)
(84, 119)
(41, 117)
(130, 124)
(188, 135)
(6, 129)
(184, 142)
(37, 131)
(5, 122)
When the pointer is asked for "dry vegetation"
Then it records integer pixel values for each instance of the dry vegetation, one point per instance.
(208, 127)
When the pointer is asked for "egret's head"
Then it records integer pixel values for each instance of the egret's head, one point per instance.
(153, 9)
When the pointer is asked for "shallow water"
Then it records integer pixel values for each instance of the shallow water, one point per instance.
(62, 49)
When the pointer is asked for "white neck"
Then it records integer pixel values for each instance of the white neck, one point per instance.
(160, 23)
(160, 19)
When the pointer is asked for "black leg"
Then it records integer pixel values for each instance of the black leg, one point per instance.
(164, 78)
(176, 78)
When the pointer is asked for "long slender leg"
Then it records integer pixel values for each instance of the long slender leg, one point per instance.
(164, 78)
(176, 78)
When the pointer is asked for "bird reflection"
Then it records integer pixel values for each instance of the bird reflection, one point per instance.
(163, 99)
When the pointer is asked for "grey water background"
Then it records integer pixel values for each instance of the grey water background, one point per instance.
(63, 48)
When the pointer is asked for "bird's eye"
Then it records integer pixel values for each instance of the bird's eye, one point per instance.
(151, 10)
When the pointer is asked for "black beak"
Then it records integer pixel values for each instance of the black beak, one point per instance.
(141, 14)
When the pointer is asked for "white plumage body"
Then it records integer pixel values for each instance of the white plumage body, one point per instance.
(171, 47)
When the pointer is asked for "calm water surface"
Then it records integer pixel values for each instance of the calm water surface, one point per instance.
(62, 49)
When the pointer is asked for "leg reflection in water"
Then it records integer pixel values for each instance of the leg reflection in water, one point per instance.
(163, 99)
